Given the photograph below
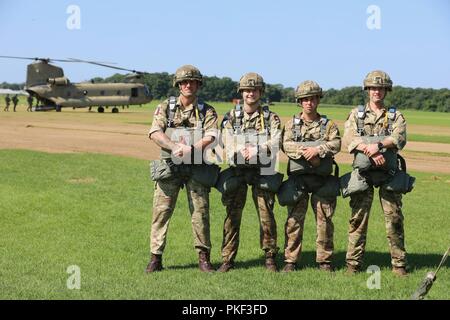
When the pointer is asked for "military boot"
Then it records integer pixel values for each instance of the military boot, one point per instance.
(226, 266)
(289, 267)
(352, 269)
(155, 263)
(203, 262)
(270, 262)
(399, 271)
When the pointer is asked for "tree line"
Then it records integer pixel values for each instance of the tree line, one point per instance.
(224, 89)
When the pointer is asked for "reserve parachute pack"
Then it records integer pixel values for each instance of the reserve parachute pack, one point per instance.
(204, 174)
(296, 185)
(392, 175)
(302, 166)
(232, 178)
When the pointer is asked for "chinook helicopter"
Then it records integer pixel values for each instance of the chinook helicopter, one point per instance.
(53, 91)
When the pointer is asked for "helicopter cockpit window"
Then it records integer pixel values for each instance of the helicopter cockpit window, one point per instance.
(134, 92)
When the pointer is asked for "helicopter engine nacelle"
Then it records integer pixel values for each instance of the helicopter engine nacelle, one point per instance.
(61, 81)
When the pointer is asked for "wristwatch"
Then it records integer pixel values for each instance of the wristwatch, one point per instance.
(380, 146)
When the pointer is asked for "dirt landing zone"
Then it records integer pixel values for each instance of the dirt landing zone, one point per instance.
(69, 133)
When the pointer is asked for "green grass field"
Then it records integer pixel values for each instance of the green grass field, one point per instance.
(94, 211)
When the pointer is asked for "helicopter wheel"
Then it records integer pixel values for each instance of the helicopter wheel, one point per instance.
(58, 108)
(101, 109)
(115, 110)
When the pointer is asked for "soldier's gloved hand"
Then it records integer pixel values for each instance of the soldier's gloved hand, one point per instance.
(378, 159)
(371, 150)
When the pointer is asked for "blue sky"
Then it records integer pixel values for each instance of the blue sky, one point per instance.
(286, 41)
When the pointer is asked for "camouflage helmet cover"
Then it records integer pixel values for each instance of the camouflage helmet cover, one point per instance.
(377, 79)
(308, 88)
(252, 81)
(187, 72)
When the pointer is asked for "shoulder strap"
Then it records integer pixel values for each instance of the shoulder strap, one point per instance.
(202, 114)
(237, 119)
(323, 127)
(225, 119)
(361, 117)
(266, 115)
(171, 110)
(297, 123)
(391, 118)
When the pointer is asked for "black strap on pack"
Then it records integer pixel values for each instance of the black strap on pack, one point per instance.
(171, 110)
(391, 118)
(323, 126)
(297, 123)
(336, 169)
(238, 116)
(266, 115)
(361, 117)
(402, 162)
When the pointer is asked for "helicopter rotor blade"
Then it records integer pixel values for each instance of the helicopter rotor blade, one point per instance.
(109, 66)
(49, 59)
(36, 59)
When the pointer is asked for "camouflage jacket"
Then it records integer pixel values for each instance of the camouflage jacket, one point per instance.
(310, 131)
(374, 124)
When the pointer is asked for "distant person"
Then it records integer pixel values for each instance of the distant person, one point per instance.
(30, 103)
(15, 101)
(375, 134)
(8, 102)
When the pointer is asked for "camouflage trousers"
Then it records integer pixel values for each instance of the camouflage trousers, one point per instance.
(234, 204)
(323, 212)
(391, 204)
(164, 200)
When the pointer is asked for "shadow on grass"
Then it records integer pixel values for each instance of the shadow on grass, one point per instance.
(308, 260)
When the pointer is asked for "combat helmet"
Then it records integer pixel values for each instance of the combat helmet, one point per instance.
(187, 72)
(308, 88)
(378, 79)
(252, 81)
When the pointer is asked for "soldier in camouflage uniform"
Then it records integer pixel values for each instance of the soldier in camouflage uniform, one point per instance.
(253, 121)
(30, 103)
(8, 102)
(375, 117)
(15, 101)
(184, 112)
(309, 126)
